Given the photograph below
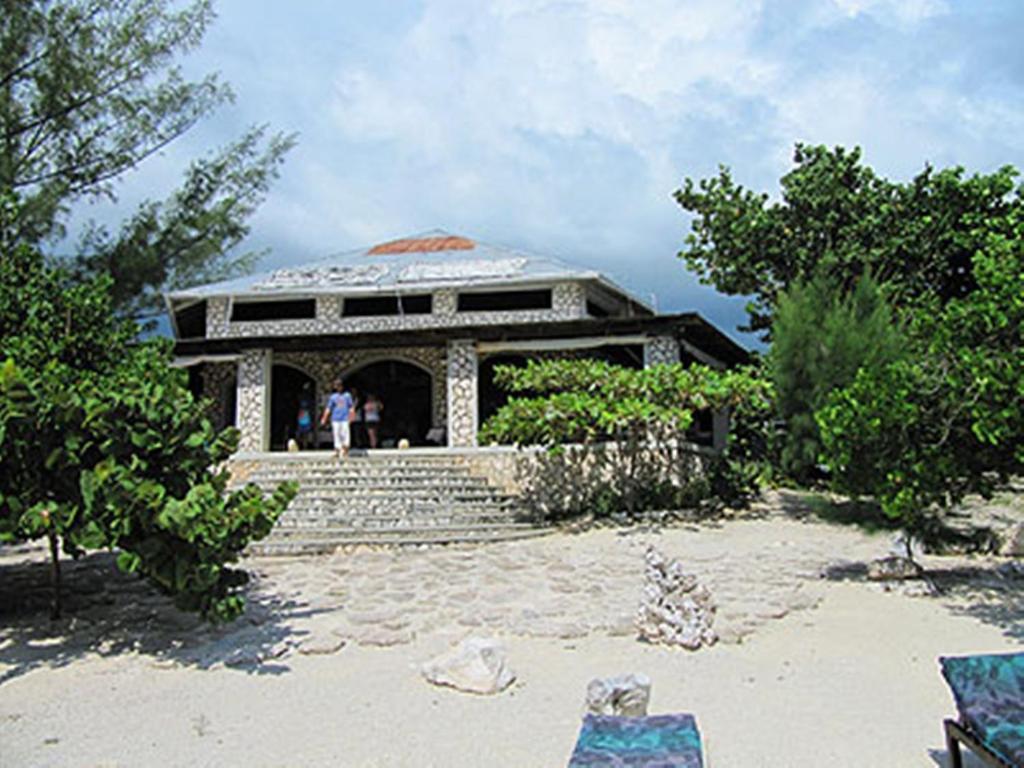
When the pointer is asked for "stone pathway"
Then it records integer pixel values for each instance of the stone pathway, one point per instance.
(759, 568)
(565, 585)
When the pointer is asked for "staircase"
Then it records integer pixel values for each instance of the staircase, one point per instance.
(385, 498)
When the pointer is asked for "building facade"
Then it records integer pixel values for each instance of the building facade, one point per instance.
(420, 323)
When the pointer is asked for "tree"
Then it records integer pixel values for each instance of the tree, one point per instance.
(837, 218)
(643, 414)
(921, 432)
(88, 91)
(821, 338)
(104, 447)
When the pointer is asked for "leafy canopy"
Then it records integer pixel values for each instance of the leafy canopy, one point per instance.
(104, 447)
(835, 217)
(921, 432)
(89, 90)
(645, 413)
(821, 337)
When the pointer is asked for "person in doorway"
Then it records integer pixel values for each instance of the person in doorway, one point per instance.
(304, 417)
(371, 413)
(340, 410)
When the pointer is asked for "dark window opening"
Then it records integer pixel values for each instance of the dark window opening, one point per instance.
(375, 306)
(702, 428)
(292, 309)
(191, 321)
(501, 301)
(596, 310)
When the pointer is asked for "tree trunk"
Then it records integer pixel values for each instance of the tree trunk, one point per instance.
(55, 605)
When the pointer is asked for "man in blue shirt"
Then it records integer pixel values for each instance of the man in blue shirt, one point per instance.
(340, 410)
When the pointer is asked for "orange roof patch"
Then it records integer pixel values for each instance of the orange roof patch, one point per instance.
(423, 245)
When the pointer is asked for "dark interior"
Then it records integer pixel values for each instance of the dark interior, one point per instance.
(291, 309)
(405, 391)
(502, 301)
(285, 391)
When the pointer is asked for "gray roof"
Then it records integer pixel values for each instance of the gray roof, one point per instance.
(426, 261)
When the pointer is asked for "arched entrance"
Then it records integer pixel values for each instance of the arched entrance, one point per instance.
(405, 391)
(288, 386)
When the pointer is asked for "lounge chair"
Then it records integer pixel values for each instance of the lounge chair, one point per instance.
(658, 741)
(989, 694)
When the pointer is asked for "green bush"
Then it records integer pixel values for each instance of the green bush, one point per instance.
(104, 447)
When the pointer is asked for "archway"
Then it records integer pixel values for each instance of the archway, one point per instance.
(288, 386)
(405, 390)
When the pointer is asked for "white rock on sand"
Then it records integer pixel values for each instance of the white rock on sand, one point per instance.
(476, 665)
(624, 695)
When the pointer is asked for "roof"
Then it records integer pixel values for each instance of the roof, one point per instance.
(426, 261)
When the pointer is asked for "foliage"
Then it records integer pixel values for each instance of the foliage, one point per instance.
(103, 446)
(837, 218)
(643, 413)
(920, 433)
(821, 337)
(88, 91)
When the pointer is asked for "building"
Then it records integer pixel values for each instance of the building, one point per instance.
(420, 322)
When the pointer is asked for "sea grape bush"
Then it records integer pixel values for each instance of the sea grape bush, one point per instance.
(641, 412)
(104, 447)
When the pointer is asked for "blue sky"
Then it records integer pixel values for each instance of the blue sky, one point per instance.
(563, 127)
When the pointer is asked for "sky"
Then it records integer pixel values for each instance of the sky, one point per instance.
(563, 127)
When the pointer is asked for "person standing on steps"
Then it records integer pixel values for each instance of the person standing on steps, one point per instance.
(304, 417)
(371, 413)
(340, 410)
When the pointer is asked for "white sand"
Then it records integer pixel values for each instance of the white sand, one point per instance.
(853, 682)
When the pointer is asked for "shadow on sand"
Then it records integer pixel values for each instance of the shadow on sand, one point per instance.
(991, 592)
(108, 613)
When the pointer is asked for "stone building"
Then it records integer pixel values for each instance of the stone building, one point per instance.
(420, 322)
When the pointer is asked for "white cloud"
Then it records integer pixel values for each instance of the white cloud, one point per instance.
(902, 11)
(564, 125)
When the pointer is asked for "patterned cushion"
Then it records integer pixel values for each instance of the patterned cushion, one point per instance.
(660, 741)
(989, 693)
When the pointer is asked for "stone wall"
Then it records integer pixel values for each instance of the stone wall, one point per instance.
(253, 399)
(463, 386)
(217, 379)
(568, 302)
(546, 481)
(661, 350)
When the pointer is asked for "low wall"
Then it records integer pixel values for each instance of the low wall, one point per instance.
(545, 481)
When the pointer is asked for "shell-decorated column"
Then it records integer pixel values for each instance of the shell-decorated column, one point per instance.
(253, 400)
(661, 350)
(462, 392)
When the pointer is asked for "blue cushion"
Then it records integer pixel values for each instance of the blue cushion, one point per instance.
(989, 693)
(660, 741)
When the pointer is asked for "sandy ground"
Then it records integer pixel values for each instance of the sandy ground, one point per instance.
(816, 671)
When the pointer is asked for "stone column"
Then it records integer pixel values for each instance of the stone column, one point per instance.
(719, 429)
(463, 365)
(253, 400)
(569, 300)
(445, 303)
(216, 318)
(661, 350)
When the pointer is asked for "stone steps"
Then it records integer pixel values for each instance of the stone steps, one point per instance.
(327, 520)
(288, 546)
(370, 488)
(385, 500)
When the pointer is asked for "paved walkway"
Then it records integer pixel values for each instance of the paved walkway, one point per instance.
(759, 569)
(565, 585)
